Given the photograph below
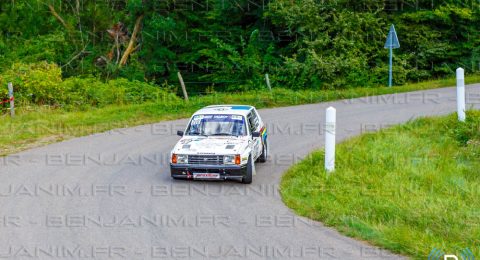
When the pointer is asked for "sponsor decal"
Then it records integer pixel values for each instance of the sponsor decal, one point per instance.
(263, 134)
(222, 108)
(241, 107)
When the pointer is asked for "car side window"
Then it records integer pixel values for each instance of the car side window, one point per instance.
(253, 121)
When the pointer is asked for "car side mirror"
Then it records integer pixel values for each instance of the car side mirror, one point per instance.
(180, 133)
(255, 134)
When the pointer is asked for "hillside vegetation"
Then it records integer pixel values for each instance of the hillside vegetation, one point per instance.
(81, 53)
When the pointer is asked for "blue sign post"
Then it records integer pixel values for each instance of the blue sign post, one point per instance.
(391, 43)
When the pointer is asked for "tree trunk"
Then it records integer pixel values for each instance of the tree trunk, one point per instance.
(59, 18)
(131, 45)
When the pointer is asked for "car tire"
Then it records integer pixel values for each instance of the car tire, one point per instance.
(264, 155)
(247, 179)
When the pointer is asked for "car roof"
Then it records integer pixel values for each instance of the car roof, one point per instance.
(226, 109)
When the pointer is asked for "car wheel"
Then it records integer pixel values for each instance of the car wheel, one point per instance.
(250, 170)
(263, 156)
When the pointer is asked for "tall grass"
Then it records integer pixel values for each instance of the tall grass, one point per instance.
(410, 188)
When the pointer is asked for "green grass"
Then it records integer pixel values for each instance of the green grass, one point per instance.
(409, 188)
(35, 126)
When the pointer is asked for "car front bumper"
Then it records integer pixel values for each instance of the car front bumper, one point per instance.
(226, 172)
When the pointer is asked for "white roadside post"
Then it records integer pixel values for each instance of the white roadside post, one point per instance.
(461, 95)
(331, 114)
(12, 102)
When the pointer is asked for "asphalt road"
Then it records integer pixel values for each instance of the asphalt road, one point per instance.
(110, 196)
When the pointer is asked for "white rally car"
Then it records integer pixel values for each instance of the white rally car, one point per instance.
(220, 142)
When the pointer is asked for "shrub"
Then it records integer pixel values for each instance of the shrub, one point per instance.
(42, 84)
(37, 83)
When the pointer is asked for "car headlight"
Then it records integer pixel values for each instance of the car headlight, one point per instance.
(182, 158)
(179, 158)
(231, 159)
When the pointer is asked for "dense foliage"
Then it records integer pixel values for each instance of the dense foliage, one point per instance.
(42, 83)
(230, 45)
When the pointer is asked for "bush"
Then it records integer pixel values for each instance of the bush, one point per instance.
(37, 83)
(42, 84)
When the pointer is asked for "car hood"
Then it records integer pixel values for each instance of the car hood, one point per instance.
(218, 145)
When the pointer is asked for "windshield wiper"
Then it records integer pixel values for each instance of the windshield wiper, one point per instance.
(197, 133)
(225, 134)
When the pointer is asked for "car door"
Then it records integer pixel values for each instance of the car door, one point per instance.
(254, 124)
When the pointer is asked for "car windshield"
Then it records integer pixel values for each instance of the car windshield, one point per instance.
(217, 125)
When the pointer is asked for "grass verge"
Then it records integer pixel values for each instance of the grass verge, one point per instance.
(35, 126)
(410, 188)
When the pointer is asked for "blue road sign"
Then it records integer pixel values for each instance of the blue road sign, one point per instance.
(391, 43)
(392, 39)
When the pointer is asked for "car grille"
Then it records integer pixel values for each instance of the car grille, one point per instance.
(205, 159)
